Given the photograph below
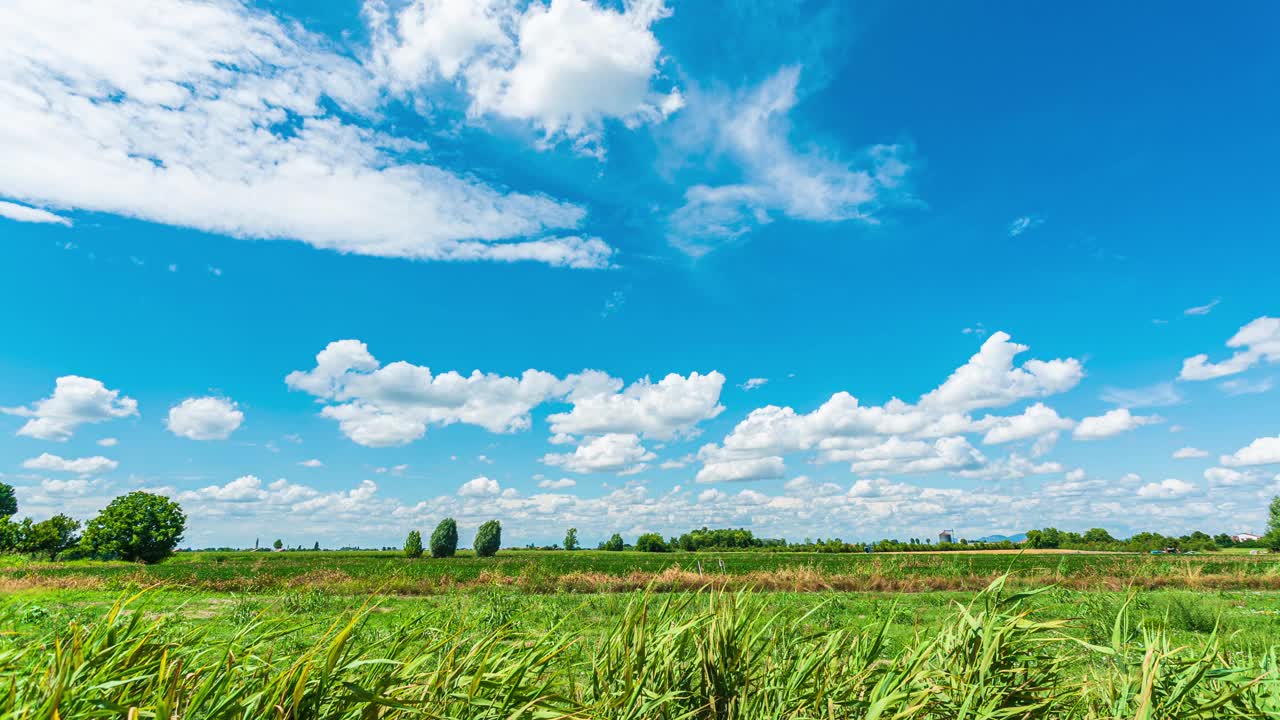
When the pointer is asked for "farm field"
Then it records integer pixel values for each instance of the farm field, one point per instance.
(524, 635)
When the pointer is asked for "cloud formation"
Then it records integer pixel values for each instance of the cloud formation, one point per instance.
(204, 418)
(75, 401)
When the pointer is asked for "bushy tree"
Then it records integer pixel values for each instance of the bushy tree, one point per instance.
(10, 534)
(1272, 537)
(488, 539)
(614, 543)
(49, 537)
(444, 540)
(651, 542)
(8, 501)
(140, 526)
(1098, 535)
(571, 539)
(413, 544)
(278, 544)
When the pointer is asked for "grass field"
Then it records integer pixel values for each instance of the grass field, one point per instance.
(552, 634)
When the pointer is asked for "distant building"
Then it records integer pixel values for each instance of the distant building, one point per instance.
(1245, 537)
(945, 536)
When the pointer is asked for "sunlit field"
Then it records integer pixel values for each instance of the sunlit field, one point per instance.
(592, 634)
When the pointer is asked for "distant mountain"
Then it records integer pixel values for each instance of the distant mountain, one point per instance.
(1001, 538)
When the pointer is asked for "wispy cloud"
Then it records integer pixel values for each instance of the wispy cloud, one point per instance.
(1202, 309)
(1158, 395)
(22, 213)
(1246, 387)
(1023, 224)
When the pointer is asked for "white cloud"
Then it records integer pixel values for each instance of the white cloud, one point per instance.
(205, 418)
(480, 487)
(1219, 477)
(753, 383)
(1023, 224)
(561, 484)
(752, 129)
(890, 438)
(1256, 342)
(1158, 395)
(22, 213)
(379, 405)
(312, 463)
(612, 452)
(1111, 423)
(216, 116)
(1037, 420)
(563, 66)
(1263, 451)
(80, 466)
(1240, 386)
(1188, 453)
(1202, 309)
(75, 401)
(1012, 467)
(1168, 489)
(764, 468)
(662, 410)
(108, 442)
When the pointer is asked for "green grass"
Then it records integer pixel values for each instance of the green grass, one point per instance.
(494, 653)
(365, 572)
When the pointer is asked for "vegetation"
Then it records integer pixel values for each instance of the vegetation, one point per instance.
(488, 539)
(49, 537)
(8, 502)
(702, 656)
(138, 527)
(444, 539)
(571, 539)
(613, 544)
(413, 545)
(651, 542)
(1272, 537)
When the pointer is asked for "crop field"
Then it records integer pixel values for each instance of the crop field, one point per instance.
(590, 634)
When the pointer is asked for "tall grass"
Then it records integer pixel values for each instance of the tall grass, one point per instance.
(710, 655)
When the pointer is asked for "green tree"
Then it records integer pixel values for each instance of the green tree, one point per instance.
(278, 544)
(10, 534)
(614, 543)
(8, 502)
(413, 544)
(488, 539)
(140, 526)
(444, 540)
(1272, 537)
(317, 545)
(1098, 535)
(571, 539)
(651, 542)
(49, 537)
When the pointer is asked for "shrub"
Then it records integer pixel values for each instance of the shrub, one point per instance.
(444, 540)
(413, 544)
(49, 537)
(488, 539)
(651, 542)
(138, 526)
(614, 543)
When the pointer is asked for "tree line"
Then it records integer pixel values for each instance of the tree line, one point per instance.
(444, 540)
(137, 527)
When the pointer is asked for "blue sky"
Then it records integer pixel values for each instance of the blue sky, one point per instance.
(591, 201)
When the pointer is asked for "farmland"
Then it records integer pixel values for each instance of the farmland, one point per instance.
(623, 634)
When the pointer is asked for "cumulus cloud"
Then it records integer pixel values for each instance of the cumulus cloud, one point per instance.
(108, 442)
(1168, 489)
(22, 213)
(763, 468)
(1112, 423)
(560, 484)
(893, 437)
(480, 487)
(612, 452)
(312, 463)
(205, 418)
(75, 401)
(1188, 453)
(662, 410)
(379, 406)
(1263, 451)
(1255, 343)
(220, 117)
(80, 466)
(564, 66)
(752, 129)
